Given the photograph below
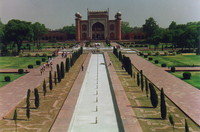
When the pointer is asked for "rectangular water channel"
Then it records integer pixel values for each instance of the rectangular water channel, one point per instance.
(94, 111)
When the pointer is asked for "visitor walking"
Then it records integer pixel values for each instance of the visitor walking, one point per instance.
(82, 67)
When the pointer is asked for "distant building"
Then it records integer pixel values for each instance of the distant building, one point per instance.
(96, 27)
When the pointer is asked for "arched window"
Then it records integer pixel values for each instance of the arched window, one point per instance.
(112, 35)
(112, 27)
(84, 36)
(84, 27)
(98, 27)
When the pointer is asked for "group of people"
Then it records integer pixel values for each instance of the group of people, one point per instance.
(64, 54)
(48, 64)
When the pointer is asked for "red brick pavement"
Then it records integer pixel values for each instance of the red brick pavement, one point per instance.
(64, 117)
(185, 96)
(14, 92)
(129, 119)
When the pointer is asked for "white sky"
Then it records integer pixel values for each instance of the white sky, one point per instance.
(58, 13)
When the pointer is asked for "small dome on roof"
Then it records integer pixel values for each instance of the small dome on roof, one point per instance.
(119, 13)
(78, 15)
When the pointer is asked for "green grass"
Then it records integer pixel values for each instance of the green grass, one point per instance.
(177, 60)
(13, 76)
(194, 80)
(18, 62)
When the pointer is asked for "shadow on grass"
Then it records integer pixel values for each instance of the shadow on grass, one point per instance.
(142, 107)
(150, 118)
(13, 120)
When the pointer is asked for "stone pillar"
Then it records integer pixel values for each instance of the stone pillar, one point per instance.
(118, 25)
(78, 26)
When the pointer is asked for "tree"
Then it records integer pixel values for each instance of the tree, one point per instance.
(141, 79)
(153, 96)
(17, 31)
(163, 108)
(146, 87)
(171, 120)
(55, 79)
(15, 119)
(28, 112)
(37, 98)
(28, 98)
(38, 31)
(62, 70)
(67, 65)
(58, 73)
(15, 115)
(50, 81)
(172, 26)
(44, 88)
(138, 79)
(150, 26)
(186, 126)
(120, 55)
(125, 27)
(70, 30)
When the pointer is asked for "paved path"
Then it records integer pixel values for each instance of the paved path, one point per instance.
(94, 110)
(12, 93)
(185, 96)
(128, 116)
(64, 117)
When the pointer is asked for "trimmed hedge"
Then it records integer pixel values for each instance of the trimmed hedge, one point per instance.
(186, 75)
(7, 78)
(38, 62)
(145, 56)
(43, 59)
(20, 71)
(150, 58)
(30, 66)
(156, 61)
(163, 65)
(173, 69)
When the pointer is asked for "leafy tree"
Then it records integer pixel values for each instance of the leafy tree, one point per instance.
(28, 98)
(37, 98)
(58, 73)
(17, 31)
(44, 88)
(186, 126)
(67, 65)
(138, 79)
(163, 108)
(141, 80)
(153, 96)
(172, 26)
(28, 112)
(50, 81)
(15, 115)
(62, 70)
(69, 29)
(171, 120)
(1, 30)
(55, 79)
(146, 87)
(150, 26)
(120, 55)
(125, 27)
(38, 31)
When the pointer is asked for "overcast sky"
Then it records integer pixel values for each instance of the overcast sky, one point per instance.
(58, 13)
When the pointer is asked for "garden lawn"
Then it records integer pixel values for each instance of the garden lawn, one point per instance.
(18, 62)
(194, 80)
(178, 60)
(13, 76)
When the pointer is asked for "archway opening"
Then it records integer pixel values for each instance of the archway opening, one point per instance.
(98, 31)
